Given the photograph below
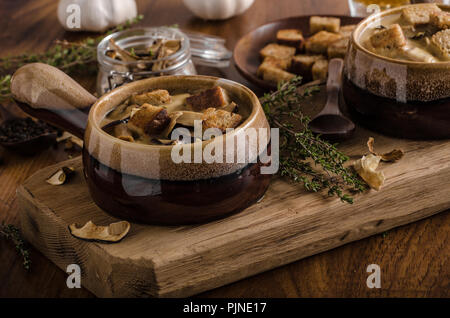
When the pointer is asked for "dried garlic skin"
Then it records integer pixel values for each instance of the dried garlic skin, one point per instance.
(366, 167)
(113, 233)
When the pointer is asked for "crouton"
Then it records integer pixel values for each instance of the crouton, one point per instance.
(389, 38)
(278, 51)
(419, 14)
(346, 30)
(317, 24)
(291, 37)
(215, 97)
(320, 70)
(156, 97)
(319, 43)
(283, 64)
(440, 20)
(440, 44)
(149, 120)
(273, 74)
(302, 64)
(221, 119)
(338, 48)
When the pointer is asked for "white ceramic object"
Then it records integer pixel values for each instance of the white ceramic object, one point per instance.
(95, 15)
(217, 9)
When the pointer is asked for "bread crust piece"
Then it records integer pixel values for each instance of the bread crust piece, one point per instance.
(338, 48)
(214, 97)
(440, 20)
(149, 120)
(291, 37)
(389, 38)
(156, 97)
(303, 63)
(319, 42)
(277, 51)
(320, 70)
(329, 24)
(419, 14)
(221, 119)
(440, 43)
(273, 74)
(283, 64)
(346, 30)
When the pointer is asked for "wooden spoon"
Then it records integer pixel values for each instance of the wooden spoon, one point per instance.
(330, 122)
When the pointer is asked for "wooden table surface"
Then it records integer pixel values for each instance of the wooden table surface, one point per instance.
(414, 259)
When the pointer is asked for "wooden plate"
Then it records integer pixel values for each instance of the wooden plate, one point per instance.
(246, 52)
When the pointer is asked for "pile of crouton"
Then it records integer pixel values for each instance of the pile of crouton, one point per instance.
(294, 55)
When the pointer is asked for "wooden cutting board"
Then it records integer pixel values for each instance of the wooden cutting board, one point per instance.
(287, 225)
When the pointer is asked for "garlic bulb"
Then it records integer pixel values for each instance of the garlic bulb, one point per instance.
(217, 9)
(95, 15)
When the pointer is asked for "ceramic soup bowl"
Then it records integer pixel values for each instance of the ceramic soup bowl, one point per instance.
(398, 97)
(141, 182)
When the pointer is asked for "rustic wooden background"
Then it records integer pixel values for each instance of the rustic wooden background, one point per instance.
(414, 259)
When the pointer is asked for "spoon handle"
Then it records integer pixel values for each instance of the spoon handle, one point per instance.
(47, 93)
(335, 68)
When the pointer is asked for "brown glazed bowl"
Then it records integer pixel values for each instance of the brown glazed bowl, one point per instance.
(141, 182)
(399, 98)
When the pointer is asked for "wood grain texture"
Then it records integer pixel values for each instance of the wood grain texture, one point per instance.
(413, 258)
(287, 225)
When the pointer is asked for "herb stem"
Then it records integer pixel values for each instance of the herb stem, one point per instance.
(13, 233)
(301, 148)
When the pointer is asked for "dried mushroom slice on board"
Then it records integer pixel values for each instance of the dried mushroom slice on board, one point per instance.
(112, 233)
(366, 168)
(391, 156)
(60, 177)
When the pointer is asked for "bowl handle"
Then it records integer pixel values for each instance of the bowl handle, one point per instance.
(47, 93)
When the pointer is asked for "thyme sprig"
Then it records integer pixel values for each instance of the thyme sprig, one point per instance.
(305, 157)
(10, 232)
(70, 57)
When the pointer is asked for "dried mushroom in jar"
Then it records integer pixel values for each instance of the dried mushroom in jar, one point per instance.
(150, 58)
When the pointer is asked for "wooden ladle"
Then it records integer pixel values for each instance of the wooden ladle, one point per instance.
(330, 122)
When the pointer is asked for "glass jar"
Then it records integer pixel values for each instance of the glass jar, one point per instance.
(204, 50)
